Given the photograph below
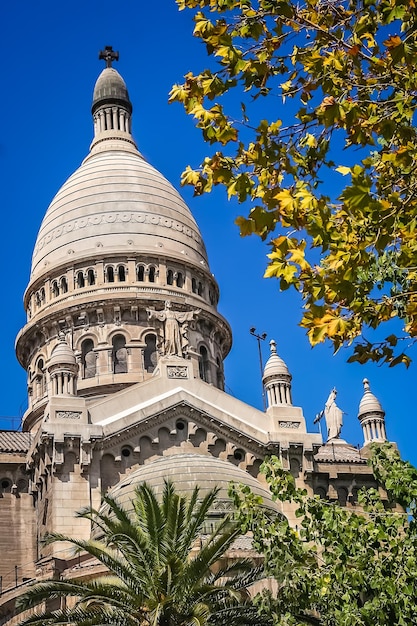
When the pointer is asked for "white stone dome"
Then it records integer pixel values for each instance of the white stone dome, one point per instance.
(187, 471)
(275, 366)
(113, 203)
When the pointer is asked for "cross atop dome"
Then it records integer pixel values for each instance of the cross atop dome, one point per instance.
(109, 55)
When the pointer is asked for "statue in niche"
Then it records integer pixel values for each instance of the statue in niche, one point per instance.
(175, 328)
(333, 416)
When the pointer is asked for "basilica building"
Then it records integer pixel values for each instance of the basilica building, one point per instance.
(124, 348)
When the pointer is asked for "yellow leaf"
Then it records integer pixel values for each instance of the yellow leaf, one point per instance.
(392, 42)
(310, 140)
(342, 169)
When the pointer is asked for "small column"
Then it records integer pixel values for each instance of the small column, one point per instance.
(114, 118)
(108, 119)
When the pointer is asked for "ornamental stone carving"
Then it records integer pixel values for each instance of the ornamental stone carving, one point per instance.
(111, 218)
(177, 371)
(69, 415)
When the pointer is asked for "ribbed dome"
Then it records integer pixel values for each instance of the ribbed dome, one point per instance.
(187, 471)
(110, 86)
(113, 203)
(62, 355)
(369, 403)
(275, 366)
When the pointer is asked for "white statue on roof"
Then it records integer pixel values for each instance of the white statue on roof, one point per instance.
(333, 416)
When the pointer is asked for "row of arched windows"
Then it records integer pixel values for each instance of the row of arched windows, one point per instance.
(119, 363)
(118, 273)
(119, 356)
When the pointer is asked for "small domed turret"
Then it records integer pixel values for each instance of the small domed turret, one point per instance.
(63, 369)
(371, 416)
(111, 109)
(277, 379)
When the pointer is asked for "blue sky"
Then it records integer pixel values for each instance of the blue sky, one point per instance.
(50, 63)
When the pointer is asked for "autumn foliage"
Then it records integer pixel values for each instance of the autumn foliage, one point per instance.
(329, 177)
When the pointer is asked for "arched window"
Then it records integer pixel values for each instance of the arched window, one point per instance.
(295, 467)
(342, 496)
(91, 277)
(150, 354)
(180, 280)
(194, 285)
(121, 273)
(110, 274)
(64, 285)
(170, 277)
(200, 289)
(55, 290)
(152, 274)
(40, 379)
(80, 279)
(88, 359)
(321, 492)
(119, 355)
(204, 364)
(140, 273)
(42, 295)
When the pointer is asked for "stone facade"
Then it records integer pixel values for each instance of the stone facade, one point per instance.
(124, 351)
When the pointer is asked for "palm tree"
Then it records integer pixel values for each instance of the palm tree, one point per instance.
(160, 568)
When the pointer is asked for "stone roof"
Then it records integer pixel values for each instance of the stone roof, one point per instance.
(14, 441)
(369, 402)
(275, 366)
(187, 471)
(338, 451)
(62, 354)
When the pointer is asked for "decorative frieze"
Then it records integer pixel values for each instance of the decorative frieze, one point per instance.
(69, 415)
(285, 424)
(177, 371)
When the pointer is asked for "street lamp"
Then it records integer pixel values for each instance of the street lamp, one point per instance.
(260, 338)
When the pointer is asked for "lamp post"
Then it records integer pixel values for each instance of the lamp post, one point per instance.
(260, 338)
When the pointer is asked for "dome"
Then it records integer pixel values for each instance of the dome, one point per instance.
(62, 354)
(369, 403)
(110, 86)
(187, 471)
(275, 366)
(113, 203)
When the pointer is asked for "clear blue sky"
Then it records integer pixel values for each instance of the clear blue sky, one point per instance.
(49, 66)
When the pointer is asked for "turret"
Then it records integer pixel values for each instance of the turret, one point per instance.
(277, 379)
(111, 109)
(371, 416)
(63, 369)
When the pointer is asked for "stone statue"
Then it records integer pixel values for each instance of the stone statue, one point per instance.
(175, 328)
(333, 416)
